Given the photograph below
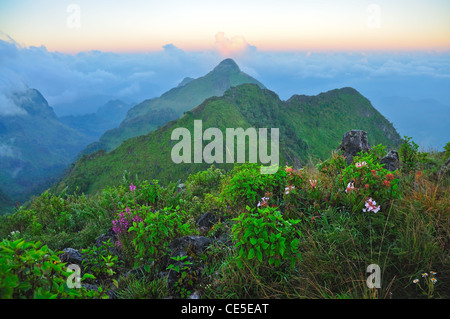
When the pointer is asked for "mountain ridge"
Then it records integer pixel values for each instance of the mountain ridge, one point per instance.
(175, 102)
(308, 129)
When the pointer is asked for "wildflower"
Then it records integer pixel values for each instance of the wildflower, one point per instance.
(433, 272)
(289, 169)
(374, 173)
(128, 210)
(424, 274)
(371, 206)
(132, 187)
(366, 186)
(288, 189)
(415, 281)
(118, 243)
(387, 183)
(433, 280)
(350, 187)
(360, 164)
(263, 202)
(313, 183)
(389, 177)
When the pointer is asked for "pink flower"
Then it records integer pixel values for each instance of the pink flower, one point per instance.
(313, 183)
(371, 206)
(132, 187)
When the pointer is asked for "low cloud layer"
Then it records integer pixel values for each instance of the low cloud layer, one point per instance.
(80, 83)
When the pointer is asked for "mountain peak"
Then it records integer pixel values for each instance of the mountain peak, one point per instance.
(227, 65)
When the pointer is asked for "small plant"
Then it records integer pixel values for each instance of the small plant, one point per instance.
(429, 284)
(186, 276)
(100, 261)
(264, 238)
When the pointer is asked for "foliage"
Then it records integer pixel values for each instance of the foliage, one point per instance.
(154, 234)
(264, 238)
(30, 270)
(101, 262)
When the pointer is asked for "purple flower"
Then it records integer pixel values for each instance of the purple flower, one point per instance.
(132, 187)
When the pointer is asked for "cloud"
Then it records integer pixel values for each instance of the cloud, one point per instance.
(80, 83)
(236, 46)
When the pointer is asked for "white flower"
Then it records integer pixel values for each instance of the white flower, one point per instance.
(360, 164)
(350, 187)
(371, 206)
(288, 189)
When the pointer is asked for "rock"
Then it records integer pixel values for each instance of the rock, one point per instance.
(352, 143)
(391, 161)
(195, 244)
(111, 237)
(207, 220)
(71, 256)
(195, 295)
(102, 239)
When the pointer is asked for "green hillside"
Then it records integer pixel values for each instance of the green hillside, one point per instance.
(148, 115)
(310, 127)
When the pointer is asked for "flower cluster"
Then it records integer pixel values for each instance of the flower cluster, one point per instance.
(350, 187)
(122, 224)
(288, 189)
(360, 164)
(371, 206)
(263, 202)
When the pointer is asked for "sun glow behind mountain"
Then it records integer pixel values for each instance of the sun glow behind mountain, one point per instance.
(140, 26)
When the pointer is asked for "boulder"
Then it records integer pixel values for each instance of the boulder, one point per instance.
(71, 256)
(207, 220)
(194, 244)
(391, 161)
(352, 143)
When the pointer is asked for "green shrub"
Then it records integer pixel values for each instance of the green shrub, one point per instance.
(265, 238)
(154, 234)
(30, 270)
(245, 186)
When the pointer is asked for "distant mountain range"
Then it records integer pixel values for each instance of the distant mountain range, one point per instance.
(35, 146)
(93, 125)
(150, 114)
(310, 127)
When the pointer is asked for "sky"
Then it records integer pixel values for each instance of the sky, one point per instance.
(147, 25)
(79, 53)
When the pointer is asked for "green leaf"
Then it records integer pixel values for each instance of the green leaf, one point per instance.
(259, 254)
(251, 254)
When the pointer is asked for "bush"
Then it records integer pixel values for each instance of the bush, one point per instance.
(30, 270)
(264, 238)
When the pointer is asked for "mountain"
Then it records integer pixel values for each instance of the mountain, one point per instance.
(5, 203)
(34, 146)
(310, 127)
(93, 125)
(148, 115)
